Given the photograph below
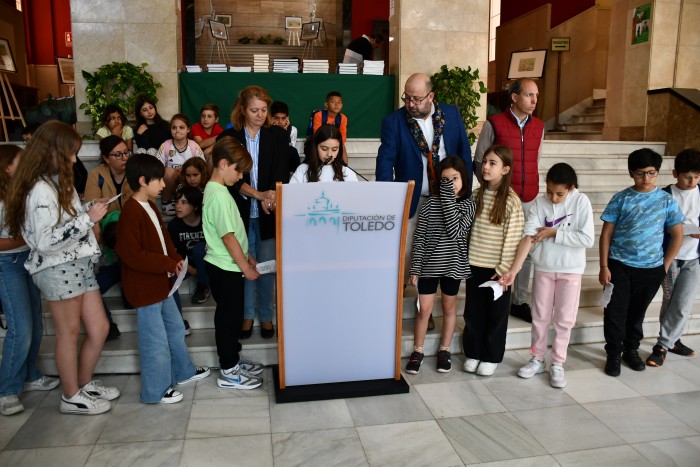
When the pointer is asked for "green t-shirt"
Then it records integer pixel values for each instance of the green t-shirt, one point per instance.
(220, 216)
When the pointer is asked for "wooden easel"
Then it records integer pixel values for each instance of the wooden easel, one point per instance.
(7, 92)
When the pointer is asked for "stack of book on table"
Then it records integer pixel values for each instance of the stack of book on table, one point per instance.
(193, 68)
(240, 69)
(217, 68)
(261, 63)
(285, 65)
(315, 66)
(373, 67)
(347, 68)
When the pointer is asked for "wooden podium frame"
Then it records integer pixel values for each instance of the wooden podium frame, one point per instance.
(336, 390)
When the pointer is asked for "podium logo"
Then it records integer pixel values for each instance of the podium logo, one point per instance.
(322, 212)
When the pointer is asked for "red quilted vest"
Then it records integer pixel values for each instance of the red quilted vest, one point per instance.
(525, 147)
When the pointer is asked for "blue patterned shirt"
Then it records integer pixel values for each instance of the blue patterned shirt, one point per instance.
(253, 146)
(640, 221)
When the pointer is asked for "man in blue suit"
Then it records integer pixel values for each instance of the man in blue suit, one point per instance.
(414, 139)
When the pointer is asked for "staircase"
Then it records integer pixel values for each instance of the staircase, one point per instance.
(587, 125)
(602, 171)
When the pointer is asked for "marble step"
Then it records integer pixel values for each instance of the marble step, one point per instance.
(575, 127)
(588, 118)
(574, 136)
(121, 355)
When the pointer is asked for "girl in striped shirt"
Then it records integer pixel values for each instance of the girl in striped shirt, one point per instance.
(497, 229)
(440, 255)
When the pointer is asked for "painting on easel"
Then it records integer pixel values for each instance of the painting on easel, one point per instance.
(7, 63)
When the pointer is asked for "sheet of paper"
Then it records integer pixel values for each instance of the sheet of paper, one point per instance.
(266, 267)
(180, 278)
(497, 289)
(689, 229)
(113, 198)
(606, 295)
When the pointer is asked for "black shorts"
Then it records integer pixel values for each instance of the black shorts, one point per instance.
(448, 285)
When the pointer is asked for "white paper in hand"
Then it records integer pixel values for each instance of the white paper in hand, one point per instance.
(180, 278)
(266, 267)
(113, 198)
(607, 295)
(497, 289)
(689, 229)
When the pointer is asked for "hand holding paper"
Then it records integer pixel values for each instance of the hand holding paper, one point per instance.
(497, 289)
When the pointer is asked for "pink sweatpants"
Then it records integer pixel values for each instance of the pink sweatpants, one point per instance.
(555, 299)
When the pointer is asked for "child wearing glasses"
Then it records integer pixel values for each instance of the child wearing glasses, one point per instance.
(107, 180)
(632, 258)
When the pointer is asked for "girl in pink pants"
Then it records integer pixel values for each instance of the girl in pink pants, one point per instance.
(560, 226)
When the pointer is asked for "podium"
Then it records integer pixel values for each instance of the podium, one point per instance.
(340, 253)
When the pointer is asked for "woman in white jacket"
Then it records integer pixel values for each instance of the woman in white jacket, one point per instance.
(560, 226)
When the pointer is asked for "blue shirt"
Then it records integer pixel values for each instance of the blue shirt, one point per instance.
(253, 146)
(640, 221)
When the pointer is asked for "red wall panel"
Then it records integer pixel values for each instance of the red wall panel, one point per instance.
(364, 12)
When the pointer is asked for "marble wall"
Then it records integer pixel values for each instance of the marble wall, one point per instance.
(136, 31)
(430, 34)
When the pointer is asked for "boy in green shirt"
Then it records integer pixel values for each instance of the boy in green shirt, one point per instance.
(228, 262)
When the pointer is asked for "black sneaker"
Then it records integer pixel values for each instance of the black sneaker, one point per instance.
(633, 360)
(444, 361)
(188, 331)
(522, 311)
(414, 363)
(682, 350)
(113, 332)
(657, 357)
(612, 365)
(200, 295)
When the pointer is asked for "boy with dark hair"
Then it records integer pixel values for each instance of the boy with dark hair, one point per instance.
(280, 117)
(149, 262)
(331, 116)
(632, 258)
(681, 281)
(207, 129)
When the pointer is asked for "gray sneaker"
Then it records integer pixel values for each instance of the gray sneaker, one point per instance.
(10, 405)
(557, 377)
(45, 383)
(249, 366)
(532, 368)
(237, 378)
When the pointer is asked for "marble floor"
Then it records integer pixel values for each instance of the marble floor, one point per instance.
(640, 419)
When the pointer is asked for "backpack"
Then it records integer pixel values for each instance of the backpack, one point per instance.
(324, 119)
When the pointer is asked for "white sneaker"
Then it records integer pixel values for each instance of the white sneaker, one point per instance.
(45, 383)
(532, 368)
(486, 369)
(470, 365)
(250, 366)
(95, 388)
(171, 396)
(237, 378)
(10, 405)
(82, 403)
(200, 373)
(557, 377)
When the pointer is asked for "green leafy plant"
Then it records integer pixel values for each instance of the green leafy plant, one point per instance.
(117, 83)
(462, 89)
(278, 40)
(264, 40)
(245, 40)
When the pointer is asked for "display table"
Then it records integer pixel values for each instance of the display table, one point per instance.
(366, 98)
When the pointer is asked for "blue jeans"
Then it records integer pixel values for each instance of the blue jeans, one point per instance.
(162, 351)
(21, 304)
(260, 293)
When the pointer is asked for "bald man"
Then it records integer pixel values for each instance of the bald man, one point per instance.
(419, 135)
(518, 129)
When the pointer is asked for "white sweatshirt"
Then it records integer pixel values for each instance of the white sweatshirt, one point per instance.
(573, 219)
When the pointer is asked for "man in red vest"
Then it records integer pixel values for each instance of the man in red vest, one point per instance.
(523, 134)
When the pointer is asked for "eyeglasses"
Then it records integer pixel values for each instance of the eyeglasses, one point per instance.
(641, 174)
(121, 155)
(414, 100)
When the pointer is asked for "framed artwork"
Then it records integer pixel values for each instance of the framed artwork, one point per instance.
(218, 30)
(309, 31)
(198, 28)
(292, 22)
(7, 62)
(65, 70)
(641, 24)
(528, 64)
(226, 19)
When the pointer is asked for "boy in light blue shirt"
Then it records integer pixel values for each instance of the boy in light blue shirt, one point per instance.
(632, 258)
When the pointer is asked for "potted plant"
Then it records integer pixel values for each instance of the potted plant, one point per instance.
(117, 83)
(462, 89)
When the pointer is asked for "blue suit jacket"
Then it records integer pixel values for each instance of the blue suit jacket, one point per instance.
(400, 160)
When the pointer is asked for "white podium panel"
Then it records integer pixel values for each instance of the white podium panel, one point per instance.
(340, 257)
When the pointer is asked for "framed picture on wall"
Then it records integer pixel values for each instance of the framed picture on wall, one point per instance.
(66, 70)
(226, 19)
(7, 62)
(309, 31)
(218, 30)
(292, 22)
(528, 64)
